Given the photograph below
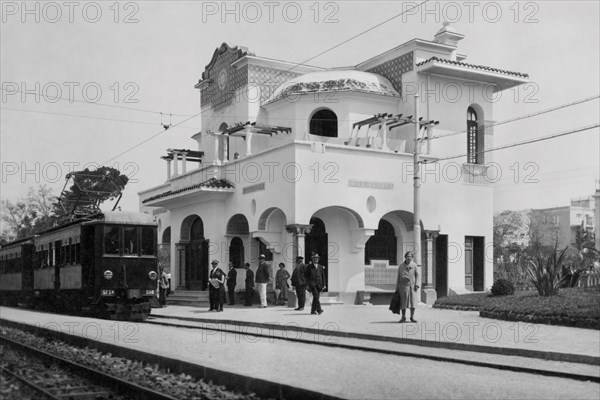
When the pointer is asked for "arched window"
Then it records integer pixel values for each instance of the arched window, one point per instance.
(324, 123)
(224, 145)
(473, 155)
(382, 245)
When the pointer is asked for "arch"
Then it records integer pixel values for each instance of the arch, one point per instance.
(238, 225)
(323, 122)
(224, 143)
(383, 245)
(186, 227)
(236, 252)
(166, 235)
(266, 215)
(357, 218)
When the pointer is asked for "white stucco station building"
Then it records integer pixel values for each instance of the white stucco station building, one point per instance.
(295, 159)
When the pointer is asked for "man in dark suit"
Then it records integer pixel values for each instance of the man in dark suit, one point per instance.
(299, 282)
(231, 281)
(216, 288)
(249, 285)
(315, 278)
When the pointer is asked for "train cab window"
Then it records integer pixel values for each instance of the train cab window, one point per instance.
(130, 241)
(111, 240)
(147, 241)
(77, 252)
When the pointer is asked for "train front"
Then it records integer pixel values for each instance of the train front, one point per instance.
(125, 268)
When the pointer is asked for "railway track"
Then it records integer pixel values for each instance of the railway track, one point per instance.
(54, 377)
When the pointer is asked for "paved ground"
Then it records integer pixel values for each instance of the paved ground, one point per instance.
(346, 373)
(446, 327)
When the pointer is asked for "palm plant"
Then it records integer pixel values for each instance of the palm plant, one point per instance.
(546, 273)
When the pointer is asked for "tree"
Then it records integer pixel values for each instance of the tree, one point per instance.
(507, 224)
(542, 233)
(28, 216)
(89, 189)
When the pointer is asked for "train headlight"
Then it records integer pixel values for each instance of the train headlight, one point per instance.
(152, 275)
(108, 275)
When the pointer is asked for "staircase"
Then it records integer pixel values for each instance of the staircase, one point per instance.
(190, 298)
(330, 299)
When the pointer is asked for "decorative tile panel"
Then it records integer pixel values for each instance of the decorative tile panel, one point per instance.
(223, 79)
(268, 79)
(394, 69)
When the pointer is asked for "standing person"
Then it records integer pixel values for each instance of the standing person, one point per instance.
(163, 285)
(299, 282)
(315, 277)
(231, 282)
(406, 285)
(216, 287)
(249, 285)
(281, 284)
(262, 278)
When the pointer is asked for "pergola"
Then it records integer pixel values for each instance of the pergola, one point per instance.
(246, 130)
(184, 155)
(385, 122)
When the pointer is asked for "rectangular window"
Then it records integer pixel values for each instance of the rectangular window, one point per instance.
(130, 241)
(112, 242)
(147, 241)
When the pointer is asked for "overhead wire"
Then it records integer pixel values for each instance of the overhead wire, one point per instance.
(539, 139)
(552, 109)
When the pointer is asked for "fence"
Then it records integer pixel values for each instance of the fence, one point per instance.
(589, 279)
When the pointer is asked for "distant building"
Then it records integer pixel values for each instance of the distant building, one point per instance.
(566, 220)
(295, 159)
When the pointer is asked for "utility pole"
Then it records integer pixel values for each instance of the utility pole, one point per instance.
(428, 293)
(417, 188)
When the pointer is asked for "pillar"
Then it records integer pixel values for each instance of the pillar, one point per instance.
(183, 162)
(298, 232)
(175, 157)
(428, 293)
(248, 140)
(181, 250)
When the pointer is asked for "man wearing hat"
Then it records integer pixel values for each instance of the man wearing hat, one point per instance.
(262, 278)
(299, 282)
(315, 277)
(216, 287)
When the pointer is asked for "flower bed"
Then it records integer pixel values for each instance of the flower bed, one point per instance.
(578, 307)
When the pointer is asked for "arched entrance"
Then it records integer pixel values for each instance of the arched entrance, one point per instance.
(382, 245)
(237, 227)
(196, 256)
(316, 242)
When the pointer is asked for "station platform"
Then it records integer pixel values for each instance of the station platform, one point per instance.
(451, 329)
(351, 351)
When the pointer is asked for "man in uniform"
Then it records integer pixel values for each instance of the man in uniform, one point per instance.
(231, 281)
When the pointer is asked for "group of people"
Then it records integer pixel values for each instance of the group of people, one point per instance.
(305, 277)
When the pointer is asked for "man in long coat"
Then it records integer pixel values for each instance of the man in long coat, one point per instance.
(406, 286)
(249, 285)
(299, 282)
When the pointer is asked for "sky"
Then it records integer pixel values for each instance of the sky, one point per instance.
(119, 65)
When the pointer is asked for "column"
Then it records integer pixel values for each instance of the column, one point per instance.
(428, 293)
(298, 232)
(175, 157)
(248, 140)
(217, 162)
(181, 250)
(168, 159)
(183, 161)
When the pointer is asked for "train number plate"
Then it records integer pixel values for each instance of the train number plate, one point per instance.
(149, 292)
(108, 292)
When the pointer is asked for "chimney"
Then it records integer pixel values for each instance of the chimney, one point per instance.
(448, 35)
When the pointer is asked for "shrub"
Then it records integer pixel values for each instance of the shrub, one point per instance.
(503, 287)
(545, 273)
